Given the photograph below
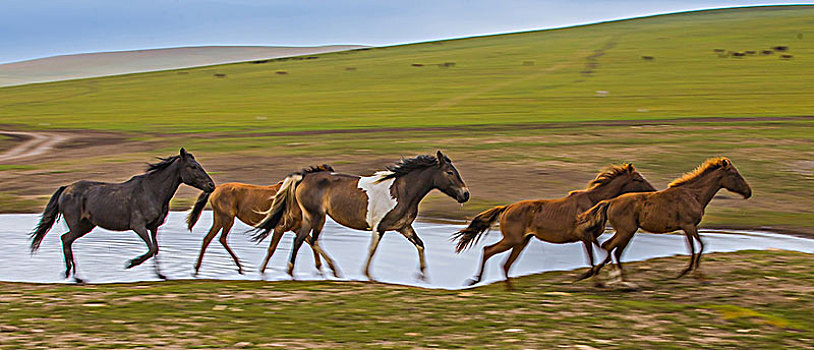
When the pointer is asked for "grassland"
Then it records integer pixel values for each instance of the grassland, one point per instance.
(520, 114)
(751, 300)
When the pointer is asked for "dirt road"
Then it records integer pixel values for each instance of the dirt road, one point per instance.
(36, 143)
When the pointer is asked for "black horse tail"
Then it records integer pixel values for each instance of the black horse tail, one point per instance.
(49, 216)
(195, 213)
(471, 234)
(280, 210)
(593, 220)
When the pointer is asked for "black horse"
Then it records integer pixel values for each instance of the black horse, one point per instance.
(140, 204)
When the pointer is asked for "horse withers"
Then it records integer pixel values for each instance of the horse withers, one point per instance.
(550, 220)
(678, 207)
(140, 204)
(386, 201)
(249, 204)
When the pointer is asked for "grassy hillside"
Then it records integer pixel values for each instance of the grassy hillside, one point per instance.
(529, 77)
(666, 115)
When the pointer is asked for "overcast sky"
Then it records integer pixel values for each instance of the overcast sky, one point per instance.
(40, 28)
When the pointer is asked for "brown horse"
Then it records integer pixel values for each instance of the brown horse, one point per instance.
(679, 207)
(386, 201)
(248, 203)
(550, 220)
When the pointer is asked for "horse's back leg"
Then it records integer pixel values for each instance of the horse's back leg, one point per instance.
(516, 250)
(512, 235)
(691, 247)
(317, 248)
(154, 236)
(227, 226)
(412, 236)
(216, 226)
(275, 239)
(302, 234)
(76, 231)
(693, 231)
(615, 246)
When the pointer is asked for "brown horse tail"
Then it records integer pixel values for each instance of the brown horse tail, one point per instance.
(49, 216)
(195, 213)
(471, 234)
(593, 220)
(280, 210)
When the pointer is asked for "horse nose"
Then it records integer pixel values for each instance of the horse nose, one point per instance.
(211, 186)
(465, 196)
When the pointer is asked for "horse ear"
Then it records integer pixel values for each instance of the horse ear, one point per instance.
(183, 153)
(629, 167)
(442, 159)
(725, 162)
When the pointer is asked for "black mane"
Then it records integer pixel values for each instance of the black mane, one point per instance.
(316, 169)
(163, 164)
(406, 165)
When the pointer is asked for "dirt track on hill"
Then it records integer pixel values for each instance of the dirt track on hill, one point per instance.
(36, 143)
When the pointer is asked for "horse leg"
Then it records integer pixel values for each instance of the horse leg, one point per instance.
(694, 233)
(412, 236)
(154, 236)
(67, 251)
(374, 244)
(589, 251)
(207, 239)
(488, 252)
(227, 226)
(142, 233)
(516, 250)
(691, 246)
(317, 225)
(302, 234)
(275, 239)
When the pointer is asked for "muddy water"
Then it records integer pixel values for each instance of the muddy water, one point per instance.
(101, 254)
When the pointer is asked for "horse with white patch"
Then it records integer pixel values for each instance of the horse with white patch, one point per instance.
(386, 201)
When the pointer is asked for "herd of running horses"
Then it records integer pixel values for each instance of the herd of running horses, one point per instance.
(388, 201)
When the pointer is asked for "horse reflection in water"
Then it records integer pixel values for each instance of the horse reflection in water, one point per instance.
(140, 204)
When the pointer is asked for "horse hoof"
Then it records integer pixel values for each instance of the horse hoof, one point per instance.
(585, 275)
(129, 264)
(161, 276)
(422, 277)
(78, 280)
(240, 271)
(471, 282)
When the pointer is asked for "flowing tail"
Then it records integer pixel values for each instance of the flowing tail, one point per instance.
(280, 209)
(195, 213)
(471, 234)
(593, 220)
(49, 216)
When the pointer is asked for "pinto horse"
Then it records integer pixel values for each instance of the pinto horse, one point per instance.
(140, 204)
(248, 203)
(386, 201)
(550, 220)
(679, 207)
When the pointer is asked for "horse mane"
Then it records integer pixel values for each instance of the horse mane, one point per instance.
(406, 165)
(316, 169)
(708, 166)
(163, 164)
(605, 177)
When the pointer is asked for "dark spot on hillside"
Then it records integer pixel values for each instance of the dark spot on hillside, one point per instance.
(648, 58)
(786, 57)
(259, 62)
(417, 65)
(220, 75)
(281, 72)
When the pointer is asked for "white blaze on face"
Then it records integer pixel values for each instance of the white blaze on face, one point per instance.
(379, 200)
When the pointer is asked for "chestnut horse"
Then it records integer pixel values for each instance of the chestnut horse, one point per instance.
(679, 207)
(550, 220)
(386, 201)
(248, 203)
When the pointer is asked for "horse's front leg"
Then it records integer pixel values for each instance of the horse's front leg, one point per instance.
(589, 251)
(374, 244)
(145, 236)
(154, 236)
(412, 236)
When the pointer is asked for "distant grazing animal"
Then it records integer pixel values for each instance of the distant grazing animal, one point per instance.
(679, 207)
(780, 48)
(786, 57)
(766, 52)
(140, 204)
(648, 58)
(387, 200)
(550, 220)
(738, 54)
(248, 203)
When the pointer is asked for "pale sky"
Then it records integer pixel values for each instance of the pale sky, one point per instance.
(41, 28)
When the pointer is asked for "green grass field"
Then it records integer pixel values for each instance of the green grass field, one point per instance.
(516, 78)
(752, 300)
